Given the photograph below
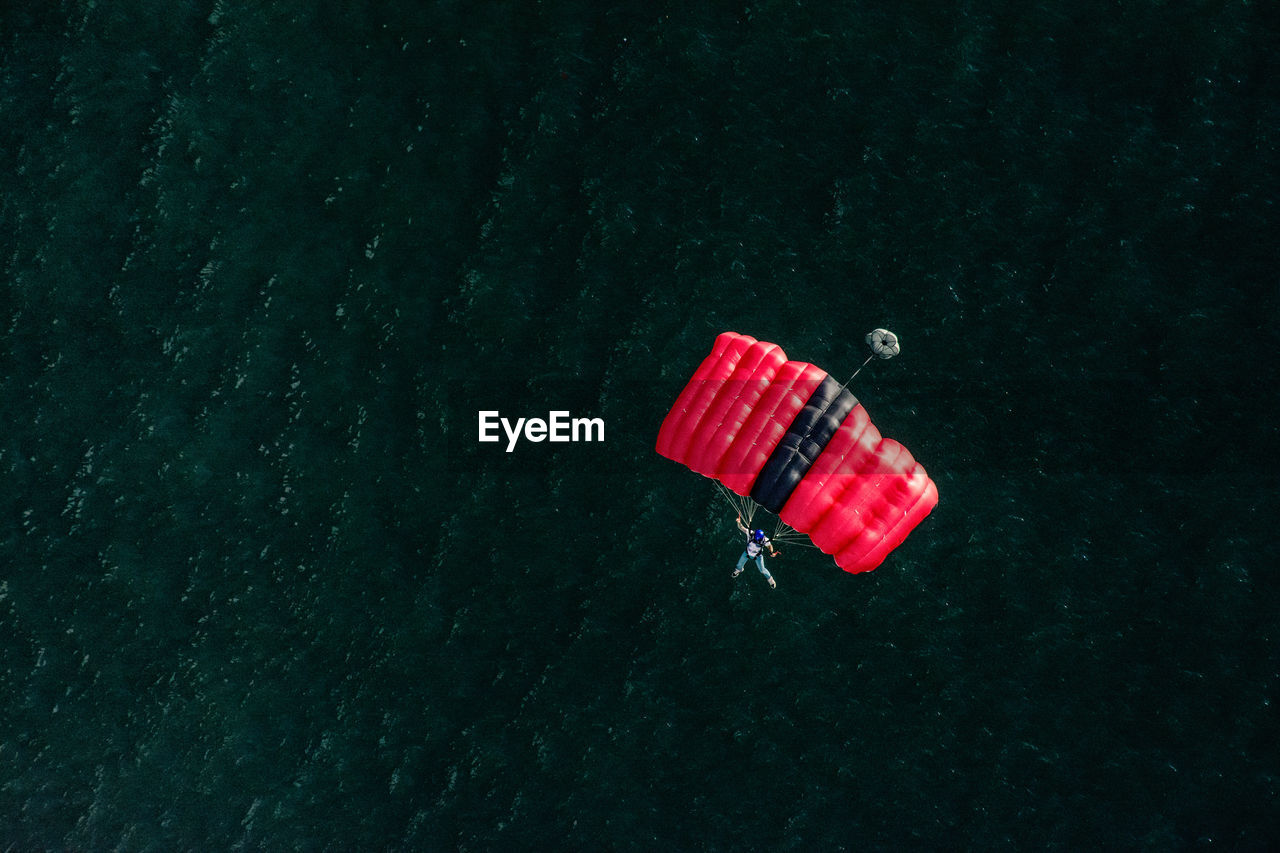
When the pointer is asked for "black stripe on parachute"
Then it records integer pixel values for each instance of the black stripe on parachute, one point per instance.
(812, 428)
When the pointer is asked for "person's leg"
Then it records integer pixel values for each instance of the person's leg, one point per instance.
(742, 561)
(764, 571)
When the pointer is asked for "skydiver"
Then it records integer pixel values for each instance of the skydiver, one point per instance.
(756, 543)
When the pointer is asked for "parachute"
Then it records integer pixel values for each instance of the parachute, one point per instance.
(883, 343)
(791, 438)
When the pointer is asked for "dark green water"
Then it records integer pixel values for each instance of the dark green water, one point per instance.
(261, 588)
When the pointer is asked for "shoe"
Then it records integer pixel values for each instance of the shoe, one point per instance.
(773, 584)
(736, 572)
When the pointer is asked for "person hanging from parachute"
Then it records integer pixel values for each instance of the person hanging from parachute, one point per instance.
(757, 544)
(787, 437)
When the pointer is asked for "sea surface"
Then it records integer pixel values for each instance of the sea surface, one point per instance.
(262, 588)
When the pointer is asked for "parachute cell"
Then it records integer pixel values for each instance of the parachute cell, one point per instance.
(789, 436)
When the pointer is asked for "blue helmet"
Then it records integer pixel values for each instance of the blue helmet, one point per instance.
(758, 536)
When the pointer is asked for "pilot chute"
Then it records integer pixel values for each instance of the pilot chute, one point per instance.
(794, 440)
(883, 343)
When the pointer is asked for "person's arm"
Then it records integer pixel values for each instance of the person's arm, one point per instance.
(742, 527)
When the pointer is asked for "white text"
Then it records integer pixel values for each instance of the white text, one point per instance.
(558, 427)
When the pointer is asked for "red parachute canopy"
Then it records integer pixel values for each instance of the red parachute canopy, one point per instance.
(794, 440)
